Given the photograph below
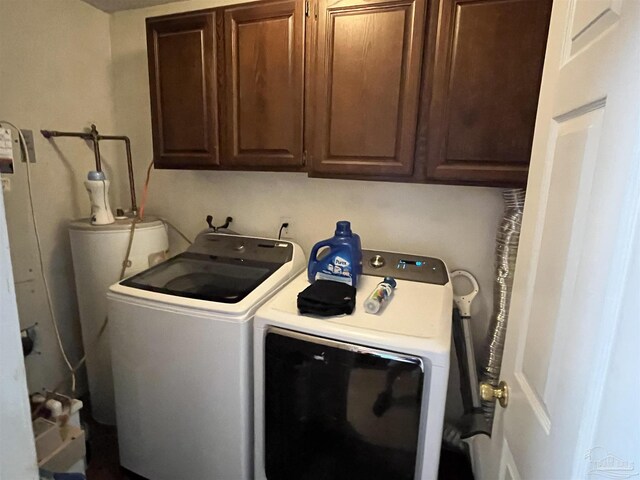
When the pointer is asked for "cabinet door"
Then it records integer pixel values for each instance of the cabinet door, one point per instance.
(182, 75)
(264, 52)
(480, 101)
(365, 86)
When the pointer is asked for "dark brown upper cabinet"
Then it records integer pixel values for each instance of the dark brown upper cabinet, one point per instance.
(184, 94)
(480, 91)
(264, 90)
(364, 81)
(436, 91)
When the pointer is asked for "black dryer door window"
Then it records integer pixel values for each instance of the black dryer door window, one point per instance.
(335, 411)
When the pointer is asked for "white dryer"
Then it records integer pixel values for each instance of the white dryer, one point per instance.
(359, 396)
(181, 336)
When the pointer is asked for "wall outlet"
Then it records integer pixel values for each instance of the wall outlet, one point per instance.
(6, 184)
(287, 232)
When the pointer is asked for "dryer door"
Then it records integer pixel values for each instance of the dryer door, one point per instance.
(339, 411)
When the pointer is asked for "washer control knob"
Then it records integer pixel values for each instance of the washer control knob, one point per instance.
(377, 261)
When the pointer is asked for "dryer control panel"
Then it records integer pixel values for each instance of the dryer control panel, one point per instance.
(404, 267)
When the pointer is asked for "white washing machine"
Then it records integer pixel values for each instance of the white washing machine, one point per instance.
(358, 396)
(181, 336)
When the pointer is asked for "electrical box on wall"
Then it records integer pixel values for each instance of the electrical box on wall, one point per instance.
(6, 151)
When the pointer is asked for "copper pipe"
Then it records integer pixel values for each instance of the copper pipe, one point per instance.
(91, 136)
(94, 137)
(127, 144)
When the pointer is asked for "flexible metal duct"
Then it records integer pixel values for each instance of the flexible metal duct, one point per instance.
(507, 239)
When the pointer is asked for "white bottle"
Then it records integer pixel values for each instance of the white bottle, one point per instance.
(98, 188)
(380, 295)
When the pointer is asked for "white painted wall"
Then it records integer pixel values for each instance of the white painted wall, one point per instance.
(457, 224)
(55, 73)
(17, 449)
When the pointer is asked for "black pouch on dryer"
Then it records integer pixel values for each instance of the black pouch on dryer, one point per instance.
(326, 298)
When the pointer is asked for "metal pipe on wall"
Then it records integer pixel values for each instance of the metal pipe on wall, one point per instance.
(94, 137)
(507, 239)
(91, 136)
(127, 144)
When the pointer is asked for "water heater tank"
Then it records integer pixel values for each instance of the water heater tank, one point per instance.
(98, 254)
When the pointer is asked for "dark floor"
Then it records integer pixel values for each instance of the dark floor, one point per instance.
(104, 464)
(102, 453)
(454, 465)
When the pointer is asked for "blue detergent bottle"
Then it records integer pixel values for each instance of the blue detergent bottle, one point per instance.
(343, 262)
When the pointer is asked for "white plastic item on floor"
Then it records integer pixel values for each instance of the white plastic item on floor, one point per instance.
(60, 441)
(98, 254)
(74, 420)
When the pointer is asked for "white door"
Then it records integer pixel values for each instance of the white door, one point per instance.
(17, 447)
(571, 357)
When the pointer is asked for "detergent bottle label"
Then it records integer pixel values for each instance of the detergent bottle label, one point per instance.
(338, 269)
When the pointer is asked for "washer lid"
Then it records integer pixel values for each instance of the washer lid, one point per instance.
(231, 309)
(204, 277)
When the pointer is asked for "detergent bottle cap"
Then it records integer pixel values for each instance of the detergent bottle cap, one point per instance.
(343, 229)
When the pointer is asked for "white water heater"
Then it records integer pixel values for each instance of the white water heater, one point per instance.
(98, 254)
